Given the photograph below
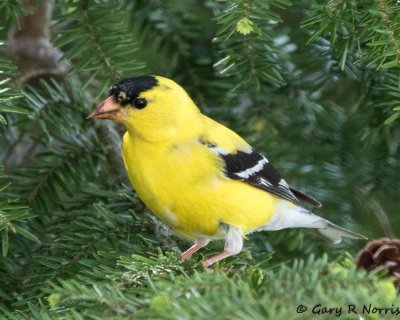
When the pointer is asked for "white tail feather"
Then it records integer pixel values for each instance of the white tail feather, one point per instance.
(287, 216)
(335, 233)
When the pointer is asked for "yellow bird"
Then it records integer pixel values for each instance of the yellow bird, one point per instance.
(199, 177)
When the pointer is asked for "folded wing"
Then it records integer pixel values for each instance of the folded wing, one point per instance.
(253, 168)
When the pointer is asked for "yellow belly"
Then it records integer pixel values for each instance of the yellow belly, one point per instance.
(186, 190)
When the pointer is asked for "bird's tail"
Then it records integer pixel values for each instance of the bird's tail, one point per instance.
(324, 227)
(287, 216)
(335, 233)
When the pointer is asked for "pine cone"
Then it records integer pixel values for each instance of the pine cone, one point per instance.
(381, 253)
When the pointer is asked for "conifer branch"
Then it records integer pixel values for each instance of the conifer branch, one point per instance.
(389, 23)
(96, 44)
(326, 115)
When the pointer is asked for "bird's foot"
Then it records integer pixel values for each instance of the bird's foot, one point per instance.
(196, 247)
(224, 254)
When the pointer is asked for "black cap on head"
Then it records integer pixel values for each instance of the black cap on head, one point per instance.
(128, 89)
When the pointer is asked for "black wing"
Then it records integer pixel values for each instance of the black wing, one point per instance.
(253, 168)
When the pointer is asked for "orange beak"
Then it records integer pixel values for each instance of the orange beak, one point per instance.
(108, 109)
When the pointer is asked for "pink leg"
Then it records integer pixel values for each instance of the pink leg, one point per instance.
(233, 245)
(198, 244)
(224, 254)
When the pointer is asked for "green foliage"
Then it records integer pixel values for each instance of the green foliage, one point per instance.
(159, 287)
(7, 93)
(362, 41)
(10, 10)
(98, 33)
(314, 85)
(243, 38)
(12, 218)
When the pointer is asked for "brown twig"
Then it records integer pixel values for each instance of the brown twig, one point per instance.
(30, 45)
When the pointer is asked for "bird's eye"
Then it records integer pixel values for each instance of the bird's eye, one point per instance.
(140, 103)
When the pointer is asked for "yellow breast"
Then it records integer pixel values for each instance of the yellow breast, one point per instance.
(184, 186)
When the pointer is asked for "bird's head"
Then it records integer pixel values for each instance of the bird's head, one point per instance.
(152, 107)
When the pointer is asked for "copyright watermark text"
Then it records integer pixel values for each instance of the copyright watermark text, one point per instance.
(319, 309)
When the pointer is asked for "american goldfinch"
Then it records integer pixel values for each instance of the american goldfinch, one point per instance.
(199, 177)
